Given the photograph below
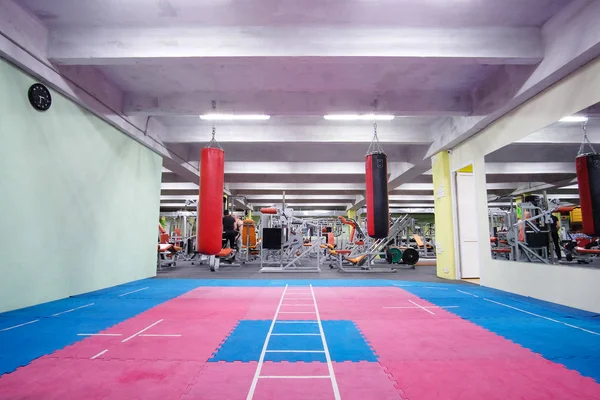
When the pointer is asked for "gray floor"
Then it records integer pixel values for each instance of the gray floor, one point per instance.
(250, 271)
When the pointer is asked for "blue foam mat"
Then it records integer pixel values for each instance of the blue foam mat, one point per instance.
(344, 342)
(573, 348)
(531, 323)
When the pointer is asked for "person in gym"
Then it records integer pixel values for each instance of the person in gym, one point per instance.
(238, 228)
(554, 227)
(229, 232)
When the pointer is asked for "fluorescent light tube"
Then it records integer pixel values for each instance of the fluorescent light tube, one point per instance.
(574, 118)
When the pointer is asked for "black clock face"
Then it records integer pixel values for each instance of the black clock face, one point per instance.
(39, 97)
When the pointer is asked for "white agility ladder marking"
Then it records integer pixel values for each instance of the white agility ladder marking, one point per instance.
(270, 333)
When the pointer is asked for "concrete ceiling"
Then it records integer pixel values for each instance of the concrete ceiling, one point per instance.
(542, 162)
(444, 68)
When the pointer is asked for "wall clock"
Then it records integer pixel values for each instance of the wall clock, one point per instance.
(39, 97)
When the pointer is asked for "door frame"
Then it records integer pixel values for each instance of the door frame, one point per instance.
(457, 246)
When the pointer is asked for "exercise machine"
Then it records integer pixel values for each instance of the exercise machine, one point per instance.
(366, 262)
(282, 247)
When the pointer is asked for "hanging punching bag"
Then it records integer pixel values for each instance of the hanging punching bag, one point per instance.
(378, 218)
(588, 180)
(210, 201)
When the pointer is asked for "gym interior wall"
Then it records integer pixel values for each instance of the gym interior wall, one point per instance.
(572, 286)
(79, 200)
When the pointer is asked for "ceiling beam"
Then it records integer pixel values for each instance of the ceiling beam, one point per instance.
(527, 168)
(402, 130)
(530, 168)
(239, 187)
(277, 168)
(129, 46)
(301, 103)
(296, 197)
(342, 206)
(563, 133)
(400, 177)
(178, 186)
(572, 39)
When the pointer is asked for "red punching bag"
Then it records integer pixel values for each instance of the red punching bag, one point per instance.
(588, 180)
(210, 201)
(378, 218)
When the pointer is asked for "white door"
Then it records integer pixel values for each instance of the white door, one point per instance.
(468, 239)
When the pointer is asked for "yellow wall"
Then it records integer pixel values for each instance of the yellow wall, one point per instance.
(444, 222)
(467, 170)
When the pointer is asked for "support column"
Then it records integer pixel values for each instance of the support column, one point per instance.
(444, 220)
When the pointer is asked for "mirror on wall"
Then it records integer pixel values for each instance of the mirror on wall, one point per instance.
(534, 200)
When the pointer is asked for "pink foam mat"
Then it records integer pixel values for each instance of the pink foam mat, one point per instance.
(365, 380)
(372, 303)
(527, 379)
(199, 309)
(197, 341)
(50, 379)
(232, 293)
(356, 381)
(220, 381)
(294, 368)
(294, 389)
(437, 339)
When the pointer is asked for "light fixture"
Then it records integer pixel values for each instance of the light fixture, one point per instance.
(358, 117)
(234, 117)
(574, 118)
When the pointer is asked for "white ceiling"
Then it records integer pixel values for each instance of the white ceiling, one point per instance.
(445, 68)
(410, 13)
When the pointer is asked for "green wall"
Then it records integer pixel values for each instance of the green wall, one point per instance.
(79, 200)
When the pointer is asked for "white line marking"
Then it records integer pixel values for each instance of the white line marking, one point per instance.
(470, 294)
(16, 326)
(133, 291)
(99, 334)
(298, 305)
(295, 351)
(264, 349)
(425, 307)
(336, 390)
(541, 316)
(99, 354)
(432, 287)
(295, 334)
(142, 331)
(295, 377)
(296, 322)
(430, 312)
(72, 309)
(402, 285)
(298, 298)
(296, 312)
(160, 335)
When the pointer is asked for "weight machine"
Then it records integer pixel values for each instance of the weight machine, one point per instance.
(375, 248)
(282, 248)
